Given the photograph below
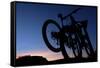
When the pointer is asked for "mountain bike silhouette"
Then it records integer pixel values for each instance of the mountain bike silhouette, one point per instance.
(74, 36)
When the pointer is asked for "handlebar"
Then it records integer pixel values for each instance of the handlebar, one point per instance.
(60, 15)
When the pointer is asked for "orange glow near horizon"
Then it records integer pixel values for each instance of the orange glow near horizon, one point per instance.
(46, 54)
(49, 55)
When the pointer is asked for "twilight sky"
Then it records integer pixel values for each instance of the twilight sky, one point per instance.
(30, 19)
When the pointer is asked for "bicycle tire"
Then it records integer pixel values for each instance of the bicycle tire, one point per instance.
(45, 25)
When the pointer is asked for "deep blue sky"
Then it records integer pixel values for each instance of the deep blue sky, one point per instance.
(31, 17)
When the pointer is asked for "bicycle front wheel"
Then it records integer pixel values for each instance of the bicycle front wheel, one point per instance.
(46, 36)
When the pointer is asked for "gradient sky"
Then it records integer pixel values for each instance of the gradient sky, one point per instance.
(30, 19)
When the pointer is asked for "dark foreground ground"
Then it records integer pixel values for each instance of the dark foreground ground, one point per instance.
(39, 60)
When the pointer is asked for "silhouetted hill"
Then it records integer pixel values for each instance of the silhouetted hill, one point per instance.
(31, 60)
(39, 60)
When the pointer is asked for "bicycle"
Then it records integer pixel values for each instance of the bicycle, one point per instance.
(68, 35)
